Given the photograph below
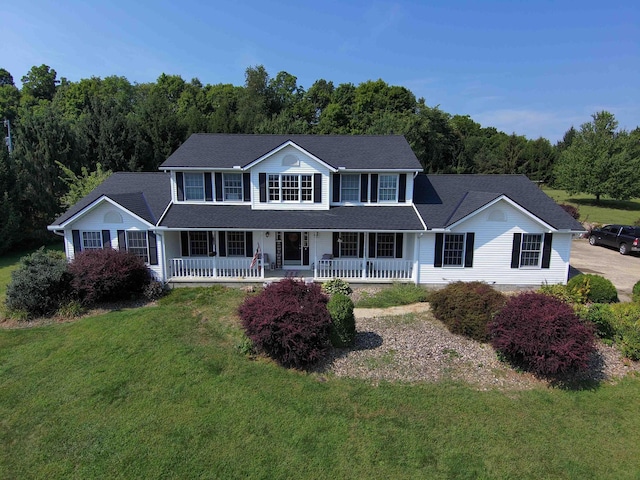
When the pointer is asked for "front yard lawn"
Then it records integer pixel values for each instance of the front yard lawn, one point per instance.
(163, 392)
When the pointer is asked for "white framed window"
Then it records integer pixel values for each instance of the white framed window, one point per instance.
(232, 186)
(531, 249)
(349, 244)
(198, 243)
(385, 245)
(350, 188)
(306, 188)
(91, 240)
(453, 250)
(235, 244)
(388, 188)
(194, 186)
(274, 188)
(137, 244)
(290, 188)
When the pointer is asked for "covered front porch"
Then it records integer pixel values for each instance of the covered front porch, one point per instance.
(257, 256)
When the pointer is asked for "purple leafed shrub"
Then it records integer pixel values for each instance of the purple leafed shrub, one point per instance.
(542, 334)
(288, 321)
(108, 274)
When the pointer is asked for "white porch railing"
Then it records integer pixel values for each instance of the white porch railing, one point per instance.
(213, 268)
(378, 269)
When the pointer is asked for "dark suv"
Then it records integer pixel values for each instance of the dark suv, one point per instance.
(623, 237)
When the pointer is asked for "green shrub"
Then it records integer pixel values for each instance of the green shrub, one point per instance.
(562, 292)
(594, 288)
(636, 292)
(40, 285)
(397, 294)
(343, 322)
(626, 325)
(600, 315)
(337, 285)
(467, 308)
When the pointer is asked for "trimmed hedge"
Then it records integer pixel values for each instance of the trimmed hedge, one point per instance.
(466, 308)
(288, 321)
(542, 334)
(593, 288)
(343, 322)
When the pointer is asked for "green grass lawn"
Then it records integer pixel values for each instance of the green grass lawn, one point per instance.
(607, 211)
(163, 392)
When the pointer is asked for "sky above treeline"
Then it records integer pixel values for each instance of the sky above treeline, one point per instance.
(530, 67)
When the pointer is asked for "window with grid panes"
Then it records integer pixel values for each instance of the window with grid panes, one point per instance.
(232, 186)
(137, 244)
(193, 186)
(530, 250)
(290, 188)
(453, 251)
(350, 188)
(91, 240)
(386, 245)
(306, 184)
(274, 188)
(387, 188)
(235, 244)
(349, 244)
(198, 243)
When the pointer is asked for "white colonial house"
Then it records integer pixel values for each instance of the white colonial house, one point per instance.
(245, 208)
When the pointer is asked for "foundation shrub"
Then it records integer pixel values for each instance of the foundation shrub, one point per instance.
(288, 321)
(636, 292)
(626, 325)
(466, 308)
(542, 334)
(40, 285)
(593, 288)
(337, 285)
(343, 322)
(108, 274)
(600, 315)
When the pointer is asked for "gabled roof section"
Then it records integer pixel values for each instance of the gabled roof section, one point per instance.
(146, 195)
(353, 152)
(443, 200)
(293, 145)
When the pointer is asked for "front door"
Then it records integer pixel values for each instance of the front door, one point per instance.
(292, 248)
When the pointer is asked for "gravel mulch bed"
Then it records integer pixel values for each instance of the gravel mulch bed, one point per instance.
(412, 346)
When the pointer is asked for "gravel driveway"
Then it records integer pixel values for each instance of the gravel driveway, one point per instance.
(622, 270)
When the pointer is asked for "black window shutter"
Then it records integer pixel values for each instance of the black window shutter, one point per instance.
(437, 261)
(153, 248)
(106, 239)
(262, 180)
(222, 248)
(180, 185)
(248, 244)
(336, 245)
(515, 250)
(211, 244)
(374, 188)
(364, 187)
(122, 240)
(317, 188)
(246, 186)
(399, 238)
(361, 245)
(218, 187)
(402, 194)
(184, 239)
(336, 187)
(77, 244)
(546, 250)
(372, 245)
(208, 187)
(468, 250)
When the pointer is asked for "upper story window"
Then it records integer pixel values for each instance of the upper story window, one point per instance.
(233, 186)
(388, 188)
(194, 186)
(290, 188)
(350, 188)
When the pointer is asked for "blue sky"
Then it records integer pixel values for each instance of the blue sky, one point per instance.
(530, 67)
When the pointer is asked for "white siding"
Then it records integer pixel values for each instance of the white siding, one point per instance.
(274, 165)
(492, 251)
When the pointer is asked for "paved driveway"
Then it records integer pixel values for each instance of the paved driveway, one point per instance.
(622, 270)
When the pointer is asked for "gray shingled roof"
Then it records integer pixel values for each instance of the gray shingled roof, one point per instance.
(145, 194)
(444, 199)
(242, 217)
(379, 152)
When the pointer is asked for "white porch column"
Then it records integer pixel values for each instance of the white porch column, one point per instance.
(416, 257)
(365, 255)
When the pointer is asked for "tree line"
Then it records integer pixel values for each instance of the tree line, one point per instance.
(61, 129)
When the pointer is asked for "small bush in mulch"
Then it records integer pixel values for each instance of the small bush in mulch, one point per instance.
(593, 288)
(600, 315)
(289, 322)
(104, 275)
(542, 334)
(337, 285)
(40, 285)
(466, 308)
(626, 325)
(343, 321)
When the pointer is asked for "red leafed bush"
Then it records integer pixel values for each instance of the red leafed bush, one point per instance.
(542, 334)
(288, 321)
(108, 274)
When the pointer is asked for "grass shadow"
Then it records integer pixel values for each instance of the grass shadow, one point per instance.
(363, 341)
